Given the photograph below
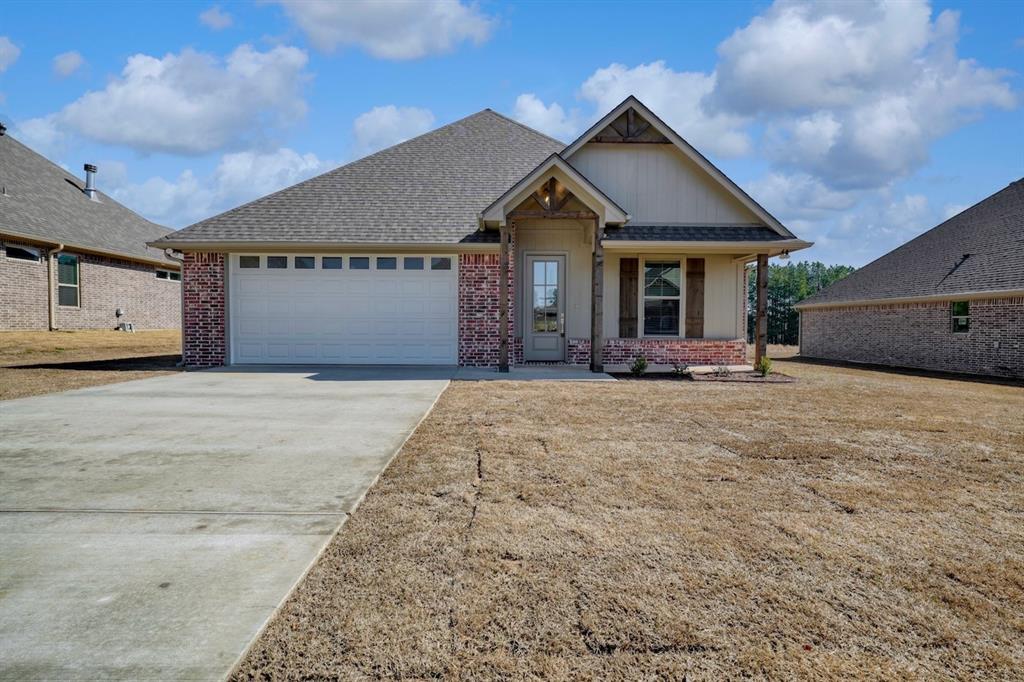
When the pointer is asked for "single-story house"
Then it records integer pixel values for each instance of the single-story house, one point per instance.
(73, 258)
(486, 243)
(950, 300)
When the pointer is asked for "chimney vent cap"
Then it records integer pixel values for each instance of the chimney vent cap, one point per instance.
(90, 168)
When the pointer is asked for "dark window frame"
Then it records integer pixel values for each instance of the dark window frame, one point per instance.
(412, 259)
(75, 286)
(441, 263)
(358, 262)
(389, 260)
(332, 263)
(960, 321)
(661, 297)
(242, 260)
(277, 262)
(32, 253)
(308, 262)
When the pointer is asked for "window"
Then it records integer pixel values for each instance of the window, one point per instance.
(960, 315)
(248, 261)
(413, 263)
(387, 263)
(67, 279)
(661, 298)
(359, 263)
(332, 262)
(441, 263)
(24, 253)
(305, 262)
(277, 262)
(168, 274)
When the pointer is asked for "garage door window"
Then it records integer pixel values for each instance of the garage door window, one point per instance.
(442, 263)
(387, 263)
(305, 262)
(277, 262)
(332, 262)
(413, 263)
(248, 262)
(359, 263)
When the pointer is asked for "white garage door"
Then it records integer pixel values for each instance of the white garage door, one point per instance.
(343, 309)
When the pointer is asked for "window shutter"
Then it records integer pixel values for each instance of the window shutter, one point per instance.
(695, 298)
(629, 269)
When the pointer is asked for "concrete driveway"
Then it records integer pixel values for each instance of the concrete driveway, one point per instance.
(149, 529)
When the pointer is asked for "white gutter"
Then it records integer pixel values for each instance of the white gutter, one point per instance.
(750, 247)
(958, 296)
(66, 246)
(321, 247)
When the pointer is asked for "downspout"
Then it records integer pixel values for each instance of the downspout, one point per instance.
(51, 314)
(181, 261)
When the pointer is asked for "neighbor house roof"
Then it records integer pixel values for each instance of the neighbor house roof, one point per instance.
(42, 202)
(429, 189)
(976, 252)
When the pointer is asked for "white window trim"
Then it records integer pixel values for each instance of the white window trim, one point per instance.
(168, 278)
(641, 295)
(78, 280)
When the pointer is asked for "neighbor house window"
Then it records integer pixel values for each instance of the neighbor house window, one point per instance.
(24, 253)
(67, 279)
(248, 261)
(662, 293)
(960, 315)
(441, 263)
(305, 262)
(413, 263)
(168, 274)
(359, 263)
(332, 262)
(277, 262)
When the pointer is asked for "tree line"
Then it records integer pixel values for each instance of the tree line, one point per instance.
(787, 285)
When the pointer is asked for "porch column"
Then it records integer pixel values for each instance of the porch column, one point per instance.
(503, 302)
(597, 301)
(761, 314)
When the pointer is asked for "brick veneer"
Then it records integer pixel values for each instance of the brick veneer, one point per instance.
(621, 351)
(205, 338)
(920, 335)
(479, 286)
(577, 351)
(105, 284)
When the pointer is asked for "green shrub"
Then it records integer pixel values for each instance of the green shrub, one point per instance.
(639, 366)
(764, 366)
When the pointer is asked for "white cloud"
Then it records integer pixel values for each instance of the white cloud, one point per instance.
(238, 178)
(677, 97)
(384, 126)
(8, 53)
(854, 93)
(551, 120)
(950, 210)
(42, 134)
(215, 18)
(397, 29)
(799, 197)
(67, 63)
(193, 103)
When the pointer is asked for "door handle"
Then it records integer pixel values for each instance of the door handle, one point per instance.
(561, 324)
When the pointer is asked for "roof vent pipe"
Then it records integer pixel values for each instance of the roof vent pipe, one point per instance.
(90, 182)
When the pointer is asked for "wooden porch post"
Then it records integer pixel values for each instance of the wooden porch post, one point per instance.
(503, 302)
(597, 302)
(761, 315)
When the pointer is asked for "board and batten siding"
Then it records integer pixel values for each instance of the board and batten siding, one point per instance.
(656, 183)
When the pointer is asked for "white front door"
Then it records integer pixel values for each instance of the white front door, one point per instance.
(343, 309)
(544, 340)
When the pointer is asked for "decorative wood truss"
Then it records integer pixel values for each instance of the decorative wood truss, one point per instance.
(630, 127)
(551, 200)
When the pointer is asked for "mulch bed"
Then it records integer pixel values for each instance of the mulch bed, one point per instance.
(734, 377)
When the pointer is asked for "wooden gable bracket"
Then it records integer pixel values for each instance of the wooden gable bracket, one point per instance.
(630, 127)
(555, 208)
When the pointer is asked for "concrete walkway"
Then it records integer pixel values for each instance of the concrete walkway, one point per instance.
(148, 529)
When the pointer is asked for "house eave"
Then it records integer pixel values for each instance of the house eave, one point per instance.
(319, 247)
(934, 298)
(92, 250)
(752, 248)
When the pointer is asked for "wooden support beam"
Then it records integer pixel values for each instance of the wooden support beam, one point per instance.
(761, 313)
(597, 302)
(503, 301)
(578, 215)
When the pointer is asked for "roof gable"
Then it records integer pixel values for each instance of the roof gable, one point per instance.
(654, 128)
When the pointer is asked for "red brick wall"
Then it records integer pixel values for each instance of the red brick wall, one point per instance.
(682, 351)
(105, 284)
(205, 337)
(578, 351)
(478, 309)
(22, 292)
(919, 335)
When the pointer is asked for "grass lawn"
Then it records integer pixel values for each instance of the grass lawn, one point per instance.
(32, 363)
(855, 524)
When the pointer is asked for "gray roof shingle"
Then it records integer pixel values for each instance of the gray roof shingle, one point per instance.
(429, 189)
(980, 249)
(694, 233)
(44, 201)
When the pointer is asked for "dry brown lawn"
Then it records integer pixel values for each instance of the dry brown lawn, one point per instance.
(32, 363)
(856, 524)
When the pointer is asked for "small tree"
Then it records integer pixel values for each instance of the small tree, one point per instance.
(639, 366)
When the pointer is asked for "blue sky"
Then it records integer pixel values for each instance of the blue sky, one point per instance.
(858, 124)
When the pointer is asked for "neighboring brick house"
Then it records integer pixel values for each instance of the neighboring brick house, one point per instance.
(626, 242)
(950, 300)
(71, 257)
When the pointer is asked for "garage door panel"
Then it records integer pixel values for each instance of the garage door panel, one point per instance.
(343, 316)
